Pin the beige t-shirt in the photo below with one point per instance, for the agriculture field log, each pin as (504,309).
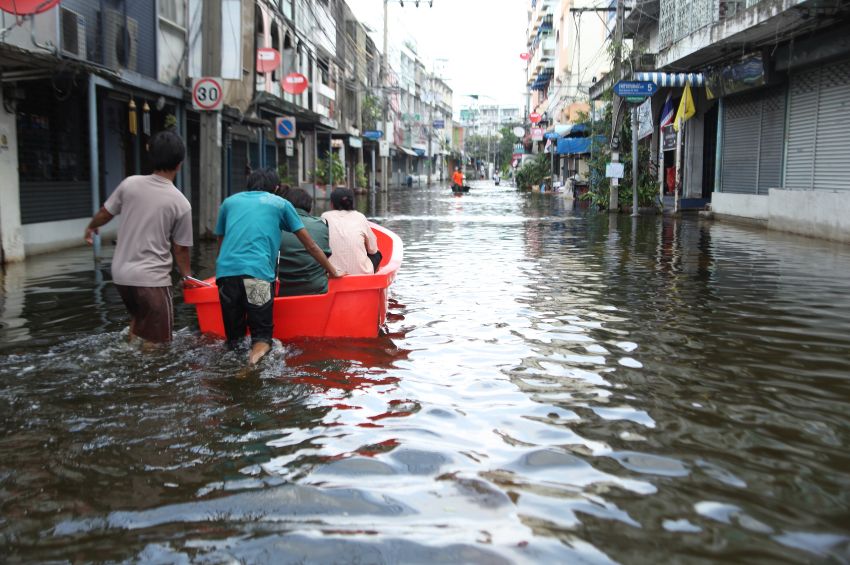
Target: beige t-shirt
(350,238)
(153,215)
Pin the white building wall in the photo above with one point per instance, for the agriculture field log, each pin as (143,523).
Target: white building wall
(11,235)
(814,213)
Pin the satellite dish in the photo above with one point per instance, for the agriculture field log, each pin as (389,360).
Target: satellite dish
(519,132)
(26,7)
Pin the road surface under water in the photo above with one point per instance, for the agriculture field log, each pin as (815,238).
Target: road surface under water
(555,386)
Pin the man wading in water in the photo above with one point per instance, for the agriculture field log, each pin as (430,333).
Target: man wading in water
(249,233)
(155,218)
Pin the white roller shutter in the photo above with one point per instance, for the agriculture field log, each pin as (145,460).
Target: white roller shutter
(753,128)
(819,129)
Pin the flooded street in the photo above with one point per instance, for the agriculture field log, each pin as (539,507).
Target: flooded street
(555,386)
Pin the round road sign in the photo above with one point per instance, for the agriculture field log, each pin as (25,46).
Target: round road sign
(535,117)
(519,132)
(26,7)
(294,83)
(207,94)
(268,59)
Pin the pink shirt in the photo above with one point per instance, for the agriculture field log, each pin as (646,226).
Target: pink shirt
(350,239)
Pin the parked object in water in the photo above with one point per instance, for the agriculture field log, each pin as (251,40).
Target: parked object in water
(354,306)
(458,188)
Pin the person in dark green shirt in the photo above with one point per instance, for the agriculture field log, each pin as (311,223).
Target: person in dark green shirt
(299,272)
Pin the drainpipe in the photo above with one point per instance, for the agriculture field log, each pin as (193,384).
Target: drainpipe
(94,166)
(718,149)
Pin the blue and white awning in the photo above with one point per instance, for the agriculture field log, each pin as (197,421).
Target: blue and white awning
(672,79)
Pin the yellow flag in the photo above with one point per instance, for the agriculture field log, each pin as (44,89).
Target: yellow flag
(686,108)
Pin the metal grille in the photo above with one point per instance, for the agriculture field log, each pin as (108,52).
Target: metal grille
(684,9)
(666,22)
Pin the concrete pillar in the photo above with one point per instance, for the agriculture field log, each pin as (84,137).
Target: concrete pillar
(210,143)
(11,235)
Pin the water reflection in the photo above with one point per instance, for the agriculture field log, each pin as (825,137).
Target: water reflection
(555,386)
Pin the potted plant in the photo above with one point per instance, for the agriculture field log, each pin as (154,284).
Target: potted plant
(360,178)
(330,167)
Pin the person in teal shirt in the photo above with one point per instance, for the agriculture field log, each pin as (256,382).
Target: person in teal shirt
(249,232)
(299,272)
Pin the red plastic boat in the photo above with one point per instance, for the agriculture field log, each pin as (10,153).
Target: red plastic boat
(354,306)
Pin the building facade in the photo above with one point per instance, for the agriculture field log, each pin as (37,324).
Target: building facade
(87,82)
(765,142)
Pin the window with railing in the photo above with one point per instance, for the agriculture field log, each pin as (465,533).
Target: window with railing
(681,18)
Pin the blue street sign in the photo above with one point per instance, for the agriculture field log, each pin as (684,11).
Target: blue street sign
(439,124)
(285,128)
(373,134)
(551,135)
(635,88)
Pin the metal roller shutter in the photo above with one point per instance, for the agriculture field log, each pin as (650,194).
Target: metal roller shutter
(740,153)
(772,140)
(238,165)
(819,120)
(753,128)
(802,119)
(832,161)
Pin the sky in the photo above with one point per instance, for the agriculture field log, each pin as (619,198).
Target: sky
(480,39)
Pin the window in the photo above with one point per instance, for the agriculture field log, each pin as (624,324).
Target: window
(173,11)
(287,7)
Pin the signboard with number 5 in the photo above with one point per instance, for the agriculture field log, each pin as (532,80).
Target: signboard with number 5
(207,94)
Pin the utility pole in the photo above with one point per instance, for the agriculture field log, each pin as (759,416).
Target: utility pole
(617,104)
(430,123)
(210,130)
(384,89)
(635,128)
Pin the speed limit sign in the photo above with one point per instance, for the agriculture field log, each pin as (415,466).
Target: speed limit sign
(207,93)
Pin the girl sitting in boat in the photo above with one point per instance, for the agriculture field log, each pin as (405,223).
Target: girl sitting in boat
(351,237)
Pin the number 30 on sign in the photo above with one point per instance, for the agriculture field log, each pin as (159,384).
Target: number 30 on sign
(207,93)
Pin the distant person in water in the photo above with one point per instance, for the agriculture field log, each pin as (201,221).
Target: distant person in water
(156,219)
(249,232)
(457,178)
(351,237)
(299,271)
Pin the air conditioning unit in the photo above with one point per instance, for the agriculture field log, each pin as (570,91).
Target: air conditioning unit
(730,8)
(121,41)
(73,30)
(643,61)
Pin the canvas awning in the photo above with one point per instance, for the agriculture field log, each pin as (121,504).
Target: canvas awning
(671,79)
(407,151)
(573,145)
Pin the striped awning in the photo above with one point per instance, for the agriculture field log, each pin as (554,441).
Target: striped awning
(672,79)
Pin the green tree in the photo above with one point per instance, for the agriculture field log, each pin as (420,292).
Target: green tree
(371,112)
(600,186)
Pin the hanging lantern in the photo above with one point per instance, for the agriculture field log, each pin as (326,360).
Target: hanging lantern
(146,119)
(133,122)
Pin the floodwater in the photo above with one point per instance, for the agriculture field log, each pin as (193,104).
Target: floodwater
(555,386)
